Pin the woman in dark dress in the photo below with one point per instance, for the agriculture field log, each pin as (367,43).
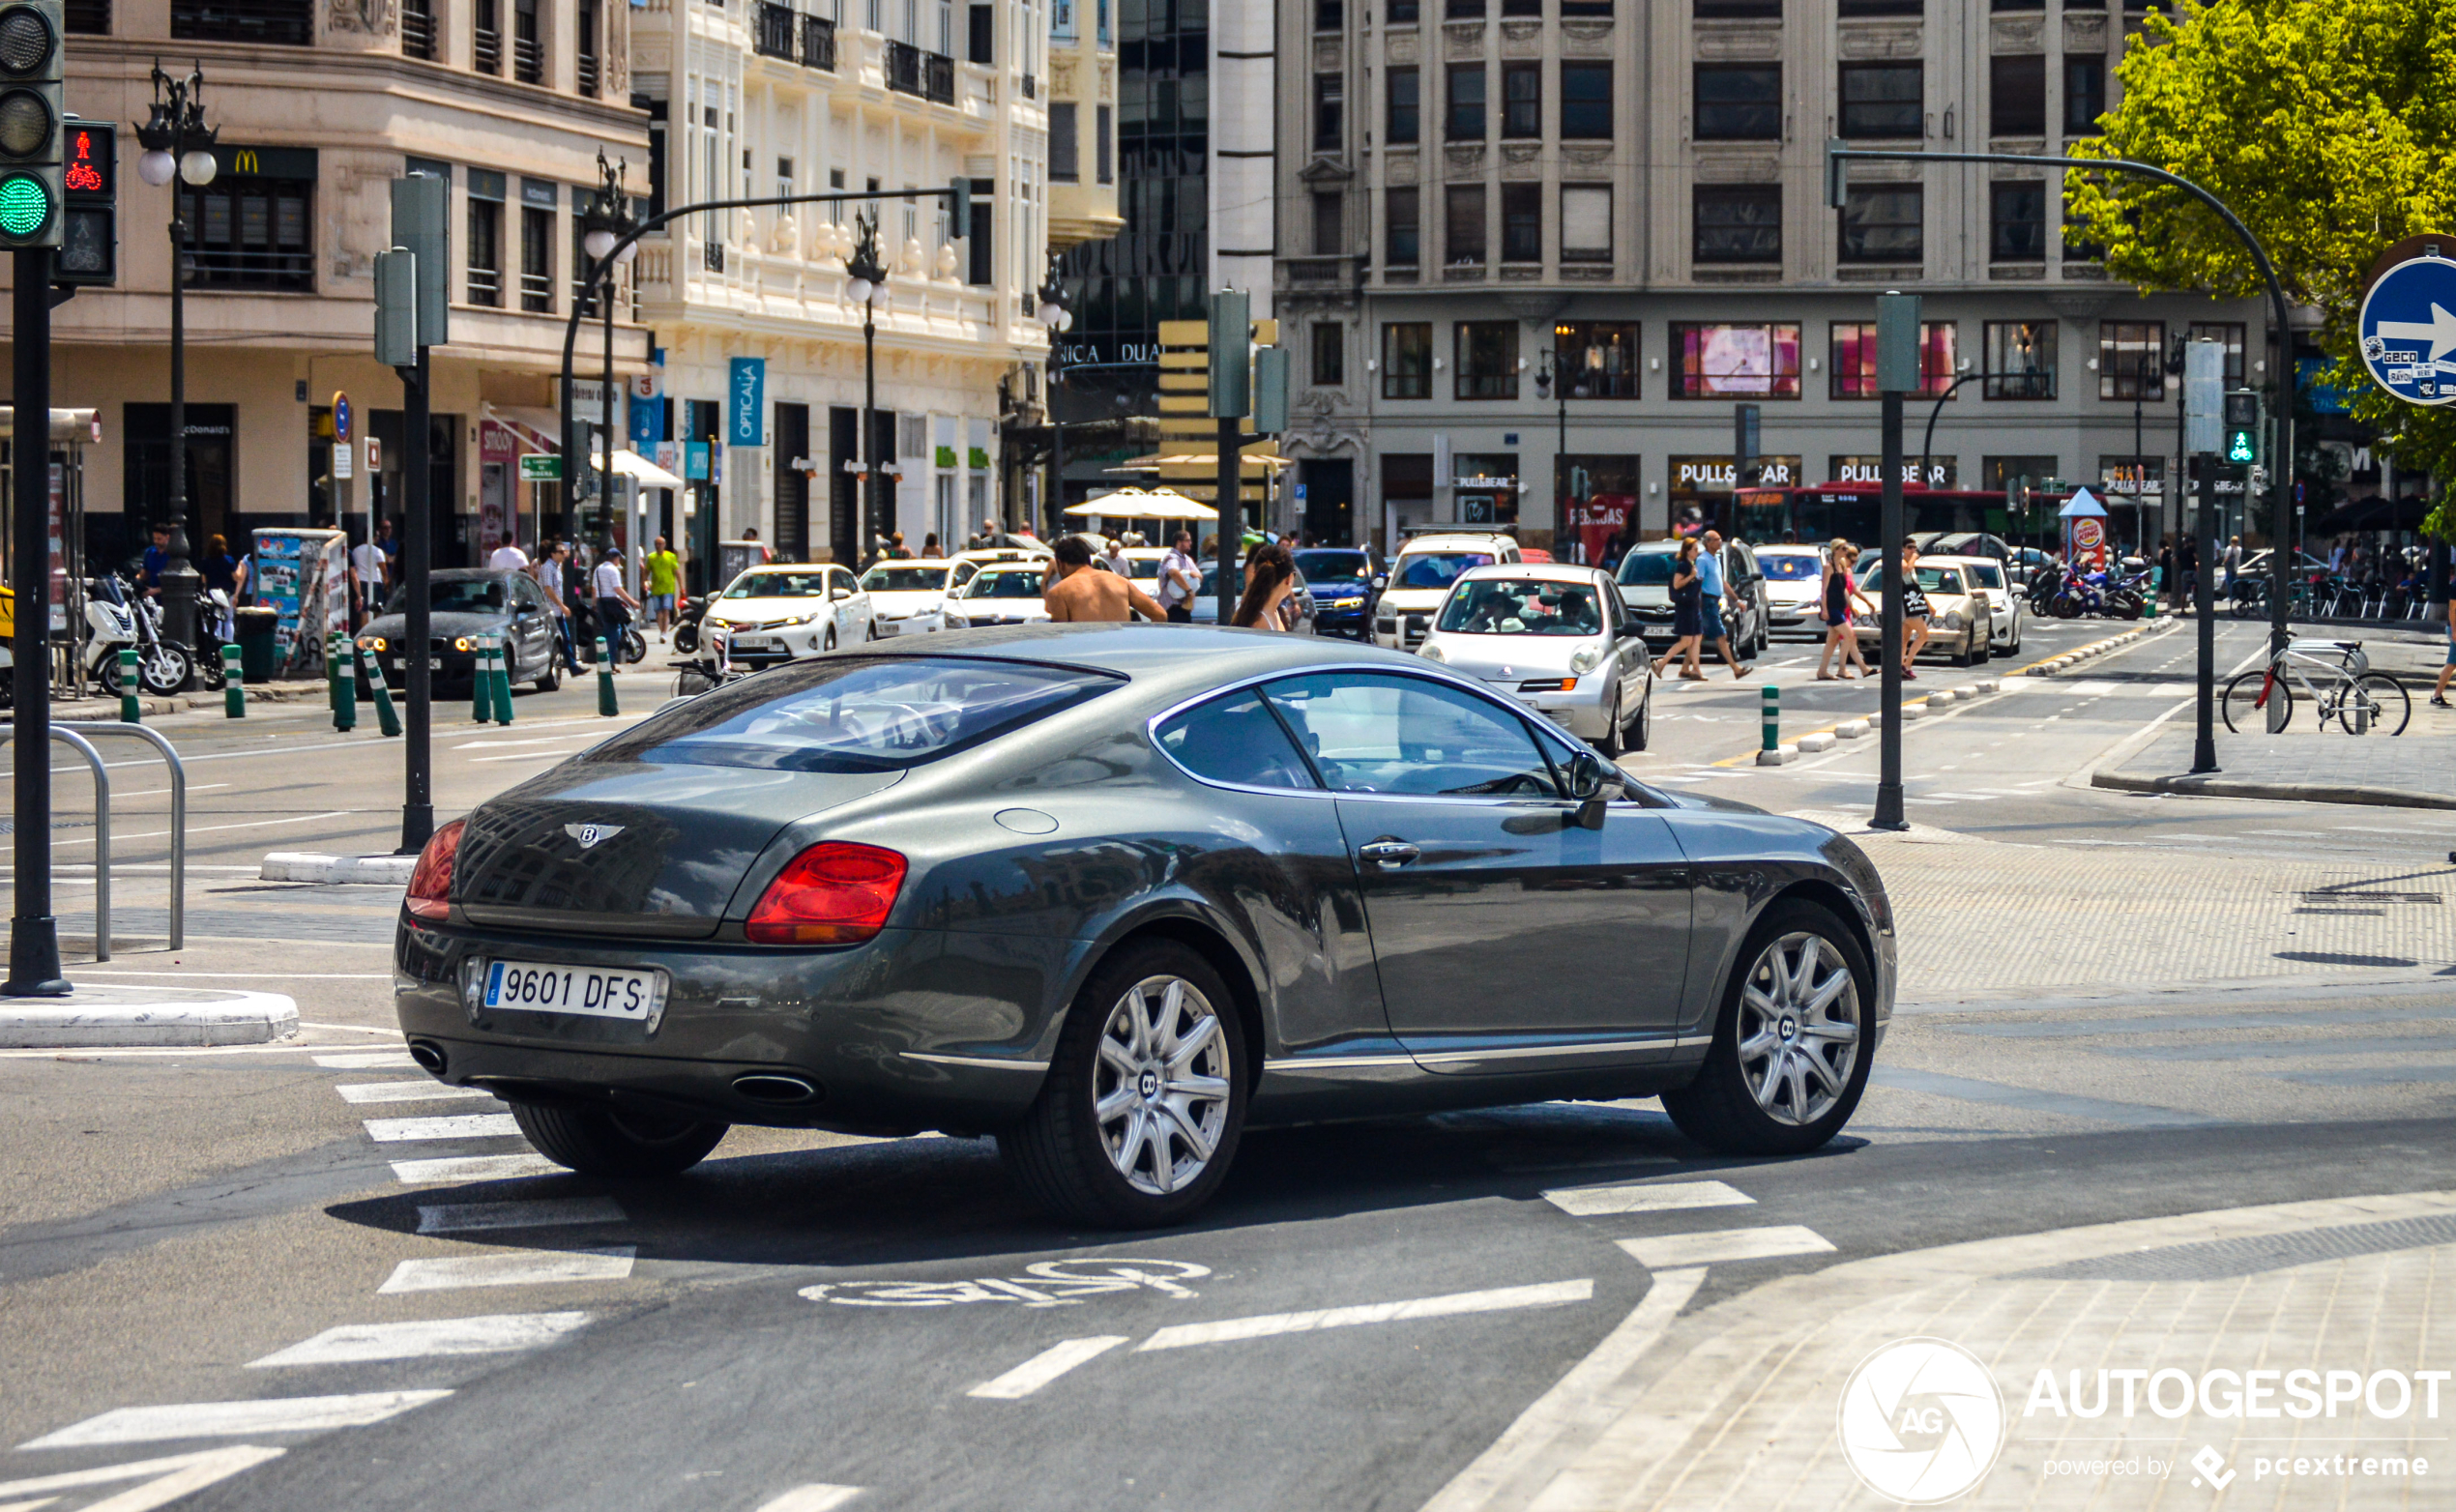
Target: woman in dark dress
(1688,615)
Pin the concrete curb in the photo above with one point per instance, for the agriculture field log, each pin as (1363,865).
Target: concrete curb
(2080,653)
(2221,786)
(97,1017)
(313,866)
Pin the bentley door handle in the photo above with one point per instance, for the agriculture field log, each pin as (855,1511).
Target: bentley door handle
(1388,854)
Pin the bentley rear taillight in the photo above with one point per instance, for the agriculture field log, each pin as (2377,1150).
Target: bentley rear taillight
(431,882)
(835,892)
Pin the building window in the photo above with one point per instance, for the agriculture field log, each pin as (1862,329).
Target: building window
(2004,473)
(1463,225)
(1330,214)
(1485,353)
(254,231)
(1330,112)
(984,220)
(2079,246)
(1880,100)
(1585,101)
(1402,230)
(2083,95)
(584,25)
(1738,223)
(528,43)
(1716,361)
(1466,122)
(1407,359)
(2017,95)
(486,37)
(418,29)
(1522,100)
(1406,108)
(1597,358)
(537,260)
(2020,359)
(1586,222)
(1329,16)
(2017,222)
(93,18)
(1066,150)
(2228,334)
(1738,103)
(285,23)
(2131,360)
(1463,10)
(1104,142)
(1738,10)
(1330,354)
(1522,223)
(1881,223)
(1404,12)
(1853,359)
(486,251)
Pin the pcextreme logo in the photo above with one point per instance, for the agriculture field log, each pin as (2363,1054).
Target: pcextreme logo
(1921,1421)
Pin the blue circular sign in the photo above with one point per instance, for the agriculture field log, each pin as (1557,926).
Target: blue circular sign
(340,417)
(2409,330)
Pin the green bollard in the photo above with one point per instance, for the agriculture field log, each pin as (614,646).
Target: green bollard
(234,684)
(481,694)
(131,711)
(502,667)
(1772,697)
(605,704)
(344,685)
(387,717)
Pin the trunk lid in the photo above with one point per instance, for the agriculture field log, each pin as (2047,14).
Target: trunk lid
(636,848)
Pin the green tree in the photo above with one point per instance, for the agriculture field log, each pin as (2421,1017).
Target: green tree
(2329,125)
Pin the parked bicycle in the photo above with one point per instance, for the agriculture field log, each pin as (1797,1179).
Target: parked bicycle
(2337,679)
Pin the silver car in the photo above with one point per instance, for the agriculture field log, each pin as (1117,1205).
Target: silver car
(1556,638)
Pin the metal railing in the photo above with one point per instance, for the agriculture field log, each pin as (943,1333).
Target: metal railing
(910,70)
(418,30)
(775,34)
(818,43)
(486,44)
(73,734)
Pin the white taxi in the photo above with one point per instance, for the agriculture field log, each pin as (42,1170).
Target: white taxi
(910,597)
(1001,593)
(782,611)
(1419,580)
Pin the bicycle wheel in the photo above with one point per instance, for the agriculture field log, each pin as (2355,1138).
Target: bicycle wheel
(2244,708)
(2373,703)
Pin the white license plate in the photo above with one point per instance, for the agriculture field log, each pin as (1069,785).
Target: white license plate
(753,643)
(528,987)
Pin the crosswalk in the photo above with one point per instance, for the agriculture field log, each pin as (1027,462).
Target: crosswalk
(1689,1247)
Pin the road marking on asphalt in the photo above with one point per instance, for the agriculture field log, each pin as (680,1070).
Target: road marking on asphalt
(526,756)
(1956,798)
(175,1476)
(542,740)
(406,1092)
(812,1499)
(1045,1367)
(473,1168)
(511,1267)
(2032,1099)
(369,1060)
(501,1333)
(1589,1163)
(541,1212)
(235,1419)
(1713,1246)
(467,1125)
(1588,1202)
(1551,1293)
(2288,834)
(1592,1392)
(253,824)
(2371,1076)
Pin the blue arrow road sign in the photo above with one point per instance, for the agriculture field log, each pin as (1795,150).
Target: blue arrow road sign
(2409,330)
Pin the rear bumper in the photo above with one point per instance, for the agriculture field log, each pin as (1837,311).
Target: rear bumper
(916,1029)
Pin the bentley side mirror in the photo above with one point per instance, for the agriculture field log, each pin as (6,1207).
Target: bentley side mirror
(1587,778)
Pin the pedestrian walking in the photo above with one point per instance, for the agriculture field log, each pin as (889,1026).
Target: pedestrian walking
(549,574)
(614,605)
(930,551)
(1714,593)
(664,584)
(1688,615)
(1840,593)
(1914,609)
(1178,578)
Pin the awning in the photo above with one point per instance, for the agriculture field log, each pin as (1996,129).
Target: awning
(631,464)
(1139,504)
(535,430)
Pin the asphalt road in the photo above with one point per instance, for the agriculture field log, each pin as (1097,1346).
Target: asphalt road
(808,1321)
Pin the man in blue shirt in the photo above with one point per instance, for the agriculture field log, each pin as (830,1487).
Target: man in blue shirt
(1715,590)
(156,558)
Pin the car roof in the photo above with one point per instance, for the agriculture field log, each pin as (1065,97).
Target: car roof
(1789,547)
(1540,572)
(1161,656)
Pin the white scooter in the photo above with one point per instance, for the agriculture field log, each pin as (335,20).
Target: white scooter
(111,622)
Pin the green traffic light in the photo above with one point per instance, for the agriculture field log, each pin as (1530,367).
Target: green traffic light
(2239,448)
(25,206)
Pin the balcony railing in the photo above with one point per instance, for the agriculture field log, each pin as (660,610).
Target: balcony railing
(774,37)
(418,30)
(585,68)
(818,43)
(485,287)
(486,44)
(912,71)
(528,60)
(537,293)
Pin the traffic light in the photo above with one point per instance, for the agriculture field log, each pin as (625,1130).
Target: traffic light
(1231,355)
(31,101)
(89,204)
(396,308)
(419,224)
(958,208)
(2242,426)
(1269,390)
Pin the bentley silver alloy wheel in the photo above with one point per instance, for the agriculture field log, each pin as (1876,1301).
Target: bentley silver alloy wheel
(1160,1090)
(1798,1029)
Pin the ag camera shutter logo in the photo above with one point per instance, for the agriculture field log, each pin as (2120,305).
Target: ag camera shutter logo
(1921,1421)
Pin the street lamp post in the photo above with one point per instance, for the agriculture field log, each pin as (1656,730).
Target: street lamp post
(1927,441)
(605,230)
(1553,379)
(869,282)
(1051,311)
(178,144)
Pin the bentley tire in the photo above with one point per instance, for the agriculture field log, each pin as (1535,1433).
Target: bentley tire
(602,1141)
(1792,1043)
(1138,1120)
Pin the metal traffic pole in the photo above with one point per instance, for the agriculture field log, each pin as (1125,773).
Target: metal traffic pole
(2203,408)
(34,934)
(1231,394)
(1896,374)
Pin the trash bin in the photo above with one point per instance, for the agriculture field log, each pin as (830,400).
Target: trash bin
(258,654)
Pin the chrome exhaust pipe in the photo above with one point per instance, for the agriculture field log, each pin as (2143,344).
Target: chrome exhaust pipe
(777,1089)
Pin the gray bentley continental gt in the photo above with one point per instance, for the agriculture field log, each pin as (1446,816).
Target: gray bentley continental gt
(1114,893)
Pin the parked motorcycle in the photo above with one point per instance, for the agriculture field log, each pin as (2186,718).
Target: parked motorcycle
(687,625)
(113,621)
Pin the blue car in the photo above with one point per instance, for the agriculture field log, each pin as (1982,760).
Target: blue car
(1343,582)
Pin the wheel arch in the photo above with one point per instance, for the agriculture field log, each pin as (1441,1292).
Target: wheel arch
(1830,896)
(1206,938)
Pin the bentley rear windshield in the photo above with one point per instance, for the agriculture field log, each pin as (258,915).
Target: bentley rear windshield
(840,713)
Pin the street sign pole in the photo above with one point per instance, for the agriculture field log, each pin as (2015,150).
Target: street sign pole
(2202,411)
(1896,374)
(34,934)
(1231,349)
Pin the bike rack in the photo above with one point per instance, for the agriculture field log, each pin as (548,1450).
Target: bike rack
(73,734)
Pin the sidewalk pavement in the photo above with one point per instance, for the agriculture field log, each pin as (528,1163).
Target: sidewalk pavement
(1739,1406)
(2415,770)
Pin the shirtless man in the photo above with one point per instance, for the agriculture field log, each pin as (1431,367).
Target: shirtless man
(1080,592)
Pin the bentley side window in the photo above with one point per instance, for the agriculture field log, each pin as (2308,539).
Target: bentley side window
(1235,739)
(1374,733)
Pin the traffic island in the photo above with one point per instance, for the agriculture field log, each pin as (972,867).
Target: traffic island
(94,1017)
(2411,770)
(315,866)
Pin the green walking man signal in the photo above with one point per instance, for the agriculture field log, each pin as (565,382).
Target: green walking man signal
(2243,426)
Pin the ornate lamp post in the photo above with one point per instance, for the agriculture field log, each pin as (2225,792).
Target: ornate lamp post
(867,283)
(178,144)
(604,227)
(1551,369)
(1052,312)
